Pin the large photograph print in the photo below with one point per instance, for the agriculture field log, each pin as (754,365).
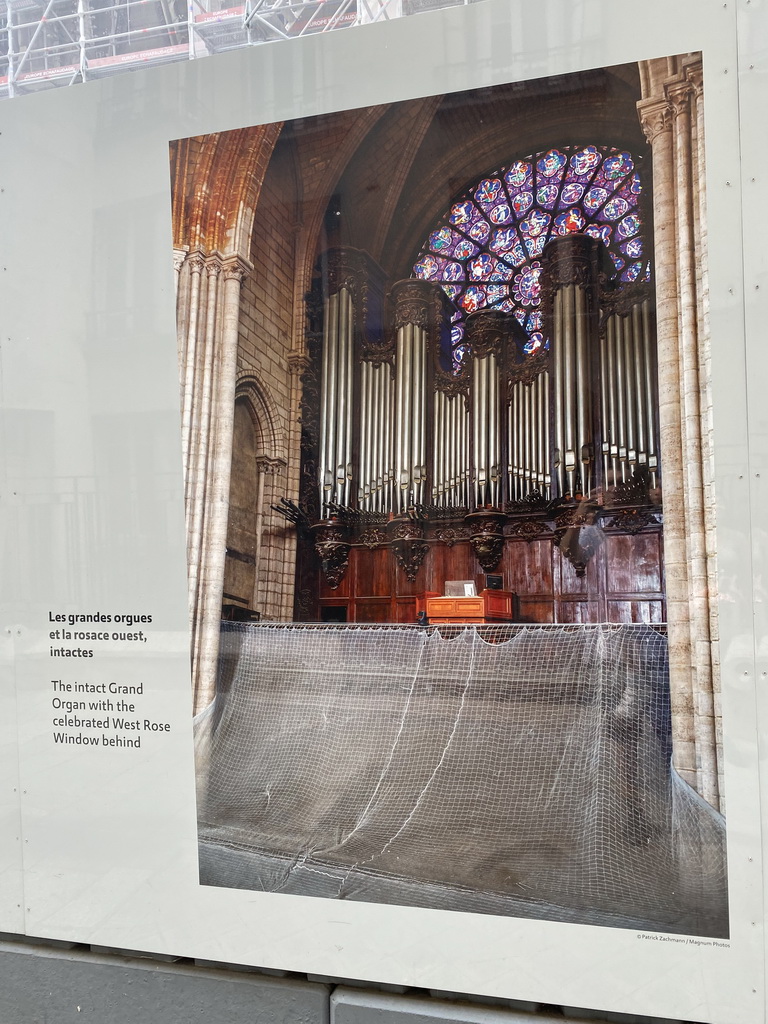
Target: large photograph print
(446,432)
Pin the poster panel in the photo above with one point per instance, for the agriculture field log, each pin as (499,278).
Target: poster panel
(102,647)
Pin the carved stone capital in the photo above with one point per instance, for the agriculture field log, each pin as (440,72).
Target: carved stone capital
(213,264)
(679,94)
(298,362)
(235,268)
(655,117)
(179,255)
(269,466)
(196,261)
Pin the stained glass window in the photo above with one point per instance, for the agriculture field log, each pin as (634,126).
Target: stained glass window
(485,250)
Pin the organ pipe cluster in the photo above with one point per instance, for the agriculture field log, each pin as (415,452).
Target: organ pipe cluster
(400,428)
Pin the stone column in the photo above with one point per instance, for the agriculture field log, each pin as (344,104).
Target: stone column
(656,116)
(670,115)
(265,468)
(210,586)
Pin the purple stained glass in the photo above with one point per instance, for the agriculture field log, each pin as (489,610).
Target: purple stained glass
(464,249)
(618,166)
(441,240)
(503,239)
(526,287)
(586,160)
(632,273)
(601,231)
(522,202)
(481,267)
(518,173)
(427,267)
(595,198)
(501,214)
(552,162)
(615,208)
(491,260)
(461,213)
(535,245)
(473,298)
(480,231)
(501,272)
(488,190)
(546,195)
(629,226)
(633,248)
(572,193)
(459,355)
(534,224)
(569,222)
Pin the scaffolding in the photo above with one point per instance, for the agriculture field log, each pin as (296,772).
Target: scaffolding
(48,43)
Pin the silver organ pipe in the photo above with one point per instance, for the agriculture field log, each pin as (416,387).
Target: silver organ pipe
(627,392)
(559,392)
(583,392)
(412,303)
(486,418)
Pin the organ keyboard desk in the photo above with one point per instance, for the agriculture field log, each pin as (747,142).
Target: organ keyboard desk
(488,606)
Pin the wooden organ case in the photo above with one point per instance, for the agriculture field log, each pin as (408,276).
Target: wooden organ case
(542,467)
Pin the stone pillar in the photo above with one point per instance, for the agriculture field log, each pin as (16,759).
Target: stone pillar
(670,116)
(266,469)
(210,587)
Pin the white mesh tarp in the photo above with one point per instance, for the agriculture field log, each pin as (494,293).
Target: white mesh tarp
(522,771)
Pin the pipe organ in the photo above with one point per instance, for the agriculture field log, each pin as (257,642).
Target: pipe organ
(404,446)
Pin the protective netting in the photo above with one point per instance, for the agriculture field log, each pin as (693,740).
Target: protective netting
(508,770)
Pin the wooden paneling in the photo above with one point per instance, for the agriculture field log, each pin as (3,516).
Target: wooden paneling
(623,580)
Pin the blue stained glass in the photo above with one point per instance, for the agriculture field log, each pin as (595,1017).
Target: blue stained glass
(491,262)
(535,223)
(601,231)
(518,173)
(633,248)
(461,213)
(441,240)
(473,298)
(501,214)
(427,267)
(535,245)
(464,249)
(585,161)
(572,193)
(534,344)
(501,272)
(551,163)
(618,166)
(595,198)
(525,286)
(488,190)
(616,208)
(629,226)
(523,200)
(480,231)
(546,195)
(457,333)
(569,222)
(632,273)
(481,267)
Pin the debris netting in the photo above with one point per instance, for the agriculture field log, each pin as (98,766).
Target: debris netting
(521,771)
